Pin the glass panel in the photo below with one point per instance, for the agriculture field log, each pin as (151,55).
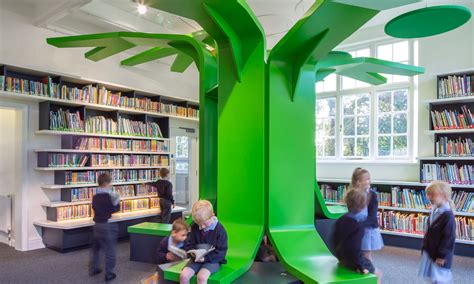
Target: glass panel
(400,100)
(330,127)
(384,145)
(330,83)
(319,147)
(400,123)
(349,126)
(363,104)
(363,52)
(362,147)
(400,145)
(348,147)
(319,87)
(348,83)
(319,126)
(182,147)
(363,125)
(384,52)
(400,51)
(385,102)
(330,149)
(385,124)
(348,103)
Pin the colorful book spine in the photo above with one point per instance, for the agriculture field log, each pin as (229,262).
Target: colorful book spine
(451,173)
(150,145)
(73,212)
(146,189)
(17,85)
(124,190)
(455,86)
(158,160)
(101,125)
(67,160)
(65,121)
(154,202)
(134,205)
(448,119)
(82,193)
(72,178)
(447,147)
(332,194)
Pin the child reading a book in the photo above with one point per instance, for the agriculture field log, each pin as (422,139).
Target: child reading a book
(208,233)
(179,233)
(165,193)
(372,239)
(440,236)
(348,234)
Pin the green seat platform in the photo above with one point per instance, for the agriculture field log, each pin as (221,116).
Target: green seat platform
(149,228)
(241,241)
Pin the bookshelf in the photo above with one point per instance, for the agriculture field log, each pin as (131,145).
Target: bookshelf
(102,128)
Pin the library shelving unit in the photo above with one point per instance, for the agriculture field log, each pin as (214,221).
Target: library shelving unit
(102,129)
(403,205)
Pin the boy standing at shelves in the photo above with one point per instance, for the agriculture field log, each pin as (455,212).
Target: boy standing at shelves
(104,203)
(165,193)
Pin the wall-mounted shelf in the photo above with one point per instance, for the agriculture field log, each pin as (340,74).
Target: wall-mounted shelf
(97,168)
(101,151)
(60,186)
(59,133)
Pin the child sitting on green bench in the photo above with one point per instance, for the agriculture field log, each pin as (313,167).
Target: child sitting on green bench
(205,231)
(179,233)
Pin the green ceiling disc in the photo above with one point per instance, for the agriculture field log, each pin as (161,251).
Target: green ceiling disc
(428,21)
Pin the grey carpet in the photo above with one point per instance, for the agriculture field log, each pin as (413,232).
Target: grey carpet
(46,266)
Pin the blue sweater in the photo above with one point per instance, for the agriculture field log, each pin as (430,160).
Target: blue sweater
(216,238)
(347,236)
(372,210)
(440,238)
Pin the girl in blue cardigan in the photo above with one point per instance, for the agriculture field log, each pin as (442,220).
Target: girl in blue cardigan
(440,236)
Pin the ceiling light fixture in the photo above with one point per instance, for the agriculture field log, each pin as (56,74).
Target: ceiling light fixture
(141,9)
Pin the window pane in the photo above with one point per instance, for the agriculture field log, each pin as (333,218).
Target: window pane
(329,84)
(385,52)
(330,149)
(329,127)
(385,102)
(348,83)
(400,123)
(319,126)
(363,147)
(400,100)
(363,52)
(363,125)
(400,51)
(348,147)
(385,124)
(319,147)
(326,107)
(400,146)
(349,126)
(384,145)
(348,103)
(363,104)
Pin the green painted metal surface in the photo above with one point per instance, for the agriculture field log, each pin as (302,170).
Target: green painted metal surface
(428,21)
(149,228)
(257,120)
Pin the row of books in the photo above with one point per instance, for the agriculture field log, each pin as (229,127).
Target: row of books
(134,204)
(124,126)
(23,86)
(91,94)
(87,177)
(101,160)
(464,201)
(451,173)
(447,147)
(332,194)
(65,121)
(409,198)
(456,86)
(73,212)
(448,119)
(92,143)
(86,193)
(417,224)
(79,211)
(67,160)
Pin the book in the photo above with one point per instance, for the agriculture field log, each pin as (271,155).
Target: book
(450,173)
(456,86)
(67,160)
(452,119)
(65,121)
(460,147)
(195,255)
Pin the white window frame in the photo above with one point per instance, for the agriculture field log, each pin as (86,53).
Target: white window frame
(410,85)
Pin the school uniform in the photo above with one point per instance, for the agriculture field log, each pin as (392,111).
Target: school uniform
(347,236)
(438,242)
(104,204)
(165,193)
(163,249)
(214,235)
(372,239)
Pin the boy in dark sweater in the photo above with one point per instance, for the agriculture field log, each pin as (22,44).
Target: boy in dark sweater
(348,234)
(165,193)
(205,231)
(104,204)
(179,233)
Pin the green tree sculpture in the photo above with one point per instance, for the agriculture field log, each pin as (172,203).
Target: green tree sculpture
(257,120)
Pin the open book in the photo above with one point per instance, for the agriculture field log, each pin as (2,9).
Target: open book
(195,254)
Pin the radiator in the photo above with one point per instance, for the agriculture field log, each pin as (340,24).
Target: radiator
(5,214)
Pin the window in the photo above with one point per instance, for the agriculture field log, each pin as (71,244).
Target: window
(355,120)
(392,123)
(326,127)
(356,125)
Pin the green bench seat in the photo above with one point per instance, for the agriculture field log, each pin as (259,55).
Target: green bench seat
(242,240)
(149,228)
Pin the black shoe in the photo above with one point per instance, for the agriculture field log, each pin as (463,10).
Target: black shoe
(95,272)
(110,277)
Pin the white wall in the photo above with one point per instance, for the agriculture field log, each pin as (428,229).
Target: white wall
(439,54)
(22,44)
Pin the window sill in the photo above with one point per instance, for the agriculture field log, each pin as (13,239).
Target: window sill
(367,162)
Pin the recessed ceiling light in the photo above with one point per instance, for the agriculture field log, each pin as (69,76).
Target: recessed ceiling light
(141,9)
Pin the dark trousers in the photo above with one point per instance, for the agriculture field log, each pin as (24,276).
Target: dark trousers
(105,240)
(165,207)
